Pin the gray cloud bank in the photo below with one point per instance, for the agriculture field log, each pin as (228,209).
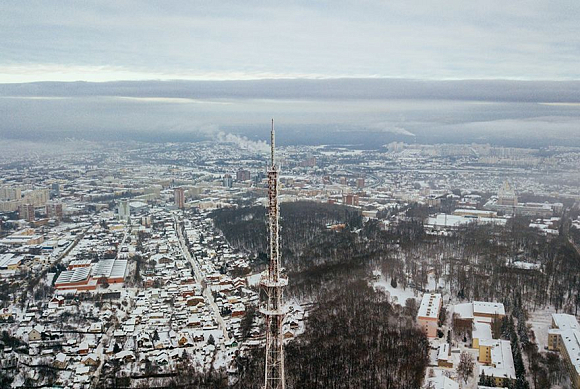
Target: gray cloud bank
(329,89)
(371,112)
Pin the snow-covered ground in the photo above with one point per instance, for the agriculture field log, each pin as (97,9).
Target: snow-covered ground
(397,295)
(541,320)
(433,285)
(254,279)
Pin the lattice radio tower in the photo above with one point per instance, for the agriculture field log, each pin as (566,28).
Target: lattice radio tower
(272,283)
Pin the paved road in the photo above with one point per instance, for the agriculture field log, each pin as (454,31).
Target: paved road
(200,279)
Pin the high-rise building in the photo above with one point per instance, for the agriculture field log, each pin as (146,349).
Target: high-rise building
(243,175)
(55,189)
(195,191)
(258,178)
(228,181)
(36,197)
(507,195)
(10,193)
(54,210)
(124,210)
(26,212)
(360,183)
(10,205)
(309,162)
(179,197)
(350,199)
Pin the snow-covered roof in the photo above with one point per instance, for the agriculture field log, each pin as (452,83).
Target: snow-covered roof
(487,308)
(430,305)
(464,311)
(8,260)
(80,262)
(478,308)
(61,357)
(564,321)
(445,220)
(502,362)
(443,353)
(571,341)
(76,275)
(123,354)
(82,369)
(481,331)
(110,268)
(443,382)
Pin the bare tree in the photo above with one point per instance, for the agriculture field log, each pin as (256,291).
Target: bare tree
(465,366)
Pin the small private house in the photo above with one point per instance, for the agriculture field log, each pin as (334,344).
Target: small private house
(83,348)
(90,360)
(61,360)
(8,359)
(35,334)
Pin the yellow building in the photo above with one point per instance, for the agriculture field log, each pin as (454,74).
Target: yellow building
(496,355)
(485,347)
(481,332)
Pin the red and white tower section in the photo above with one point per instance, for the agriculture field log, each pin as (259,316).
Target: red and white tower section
(273,283)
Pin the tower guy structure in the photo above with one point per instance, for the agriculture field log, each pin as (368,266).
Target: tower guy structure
(273,283)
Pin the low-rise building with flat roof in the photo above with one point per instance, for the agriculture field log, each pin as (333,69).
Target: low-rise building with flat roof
(428,314)
(564,336)
(496,355)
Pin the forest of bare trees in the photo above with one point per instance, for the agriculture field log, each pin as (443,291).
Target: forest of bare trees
(354,338)
(475,262)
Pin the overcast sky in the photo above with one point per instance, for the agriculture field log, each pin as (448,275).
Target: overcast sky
(146,39)
(490,71)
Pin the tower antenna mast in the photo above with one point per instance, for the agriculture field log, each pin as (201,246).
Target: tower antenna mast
(273,283)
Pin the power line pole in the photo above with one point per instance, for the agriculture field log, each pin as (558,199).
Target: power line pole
(272,283)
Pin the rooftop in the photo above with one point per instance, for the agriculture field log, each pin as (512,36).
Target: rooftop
(480,307)
(563,321)
(502,362)
(430,305)
(571,341)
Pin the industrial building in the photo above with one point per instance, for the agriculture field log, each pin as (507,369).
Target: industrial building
(9,261)
(22,237)
(83,277)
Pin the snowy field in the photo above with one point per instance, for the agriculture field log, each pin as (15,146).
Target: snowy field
(541,320)
(397,295)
